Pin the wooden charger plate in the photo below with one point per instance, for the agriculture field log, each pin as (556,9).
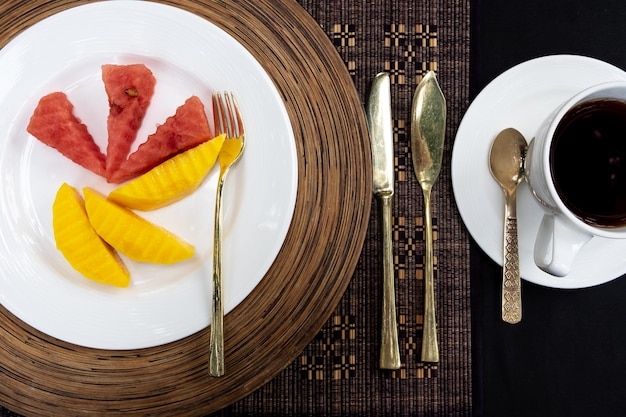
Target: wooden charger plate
(43,376)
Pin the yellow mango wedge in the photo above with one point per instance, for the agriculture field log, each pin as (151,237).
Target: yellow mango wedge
(170,181)
(133,235)
(79,243)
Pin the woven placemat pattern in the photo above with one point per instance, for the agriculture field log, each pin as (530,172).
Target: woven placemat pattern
(337,373)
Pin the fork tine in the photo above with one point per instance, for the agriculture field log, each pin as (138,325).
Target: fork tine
(228,115)
(218,114)
(236,116)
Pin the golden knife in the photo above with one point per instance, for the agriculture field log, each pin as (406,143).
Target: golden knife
(428,130)
(381,140)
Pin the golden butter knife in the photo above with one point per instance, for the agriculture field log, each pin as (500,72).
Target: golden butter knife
(381,140)
(428,131)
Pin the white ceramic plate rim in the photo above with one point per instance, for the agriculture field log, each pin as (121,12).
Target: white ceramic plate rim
(188,55)
(521,97)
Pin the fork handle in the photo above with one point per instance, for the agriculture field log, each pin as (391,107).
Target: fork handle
(216,355)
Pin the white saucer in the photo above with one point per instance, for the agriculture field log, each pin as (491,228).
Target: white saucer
(521,98)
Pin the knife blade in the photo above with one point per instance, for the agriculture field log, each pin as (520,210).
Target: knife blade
(381,140)
(428,128)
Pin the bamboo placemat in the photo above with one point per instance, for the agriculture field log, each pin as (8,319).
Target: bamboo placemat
(336,373)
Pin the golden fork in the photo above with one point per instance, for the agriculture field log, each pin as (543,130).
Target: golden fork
(227,120)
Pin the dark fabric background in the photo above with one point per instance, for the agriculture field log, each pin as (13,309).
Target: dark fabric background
(567,357)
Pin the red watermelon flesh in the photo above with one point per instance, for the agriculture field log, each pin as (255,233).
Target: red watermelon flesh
(130,89)
(184,130)
(54,123)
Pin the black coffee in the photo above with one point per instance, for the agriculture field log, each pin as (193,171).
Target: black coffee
(588,162)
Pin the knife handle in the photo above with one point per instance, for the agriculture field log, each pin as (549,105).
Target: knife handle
(389,350)
(430,349)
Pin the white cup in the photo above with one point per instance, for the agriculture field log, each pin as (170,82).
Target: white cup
(562,233)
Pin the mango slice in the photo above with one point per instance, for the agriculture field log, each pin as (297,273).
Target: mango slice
(79,243)
(170,181)
(133,235)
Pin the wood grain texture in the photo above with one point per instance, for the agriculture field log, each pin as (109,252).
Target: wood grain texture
(42,376)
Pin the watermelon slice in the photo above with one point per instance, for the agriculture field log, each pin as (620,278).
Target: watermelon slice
(54,123)
(129,89)
(189,127)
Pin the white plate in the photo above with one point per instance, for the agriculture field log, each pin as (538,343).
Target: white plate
(188,55)
(521,97)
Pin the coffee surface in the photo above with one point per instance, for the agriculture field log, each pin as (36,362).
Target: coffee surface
(588,162)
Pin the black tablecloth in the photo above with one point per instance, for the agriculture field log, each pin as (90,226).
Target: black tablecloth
(567,356)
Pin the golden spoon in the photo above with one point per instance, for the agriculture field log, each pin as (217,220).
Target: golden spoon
(506,163)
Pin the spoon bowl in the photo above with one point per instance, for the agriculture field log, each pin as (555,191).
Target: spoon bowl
(506,159)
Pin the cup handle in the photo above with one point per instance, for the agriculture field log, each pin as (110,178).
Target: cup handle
(557,259)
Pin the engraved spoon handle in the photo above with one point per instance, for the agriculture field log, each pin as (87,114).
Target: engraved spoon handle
(511,285)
